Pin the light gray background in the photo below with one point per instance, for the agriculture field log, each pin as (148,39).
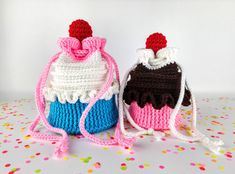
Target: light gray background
(204,30)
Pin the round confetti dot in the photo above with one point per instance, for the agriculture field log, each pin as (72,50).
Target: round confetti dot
(228,155)
(27,161)
(89,170)
(141,166)
(123,168)
(7,165)
(221,168)
(26,146)
(162,167)
(97,165)
(4,151)
(220,133)
(123,164)
(37,154)
(192,164)
(46,158)
(146,165)
(65,158)
(37,171)
(202,168)
(214,160)
(193,148)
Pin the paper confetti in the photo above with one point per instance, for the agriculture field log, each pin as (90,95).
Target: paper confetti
(20,153)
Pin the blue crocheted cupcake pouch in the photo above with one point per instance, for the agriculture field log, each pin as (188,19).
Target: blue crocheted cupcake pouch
(102,116)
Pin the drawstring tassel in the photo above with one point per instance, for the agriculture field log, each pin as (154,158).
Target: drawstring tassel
(61,149)
(214,146)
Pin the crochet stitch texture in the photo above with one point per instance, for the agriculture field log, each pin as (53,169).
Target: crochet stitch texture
(159,87)
(82,91)
(102,116)
(75,83)
(147,117)
(152,93)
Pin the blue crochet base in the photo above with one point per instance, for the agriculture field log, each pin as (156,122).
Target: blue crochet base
(102,116)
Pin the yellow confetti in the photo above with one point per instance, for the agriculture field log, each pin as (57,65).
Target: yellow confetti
(105,148)
(89,170)
(221,168)
(188,112)
(65,158)
(22,129)
(27,137)
(214,160)
(32,156)
(214,156)
(146,165)
(119,152)
(74,155)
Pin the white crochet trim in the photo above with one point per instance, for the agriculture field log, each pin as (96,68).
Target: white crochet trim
(72,96)
(73,80)
(163,57)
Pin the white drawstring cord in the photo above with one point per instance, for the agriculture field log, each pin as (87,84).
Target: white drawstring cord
(122,107)
(157,134)
(214,146)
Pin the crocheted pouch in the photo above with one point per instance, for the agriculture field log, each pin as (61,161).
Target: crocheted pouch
(153,91)
(82,90)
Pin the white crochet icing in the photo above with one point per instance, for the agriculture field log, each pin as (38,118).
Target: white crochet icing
(163,57)
(78,80)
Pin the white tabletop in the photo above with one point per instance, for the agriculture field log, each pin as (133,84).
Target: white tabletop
(20,154)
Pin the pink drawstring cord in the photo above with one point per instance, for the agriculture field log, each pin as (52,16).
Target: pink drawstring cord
(126,142)
(118,136)
(63,145)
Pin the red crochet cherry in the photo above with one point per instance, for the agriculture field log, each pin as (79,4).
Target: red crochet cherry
(156,41)
(80,29)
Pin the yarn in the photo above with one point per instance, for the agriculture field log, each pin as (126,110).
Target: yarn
(102,116)
(80,29)
(82,67)
(148,117)
(81,80)
(156,41)
(159,87)
(155,72)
